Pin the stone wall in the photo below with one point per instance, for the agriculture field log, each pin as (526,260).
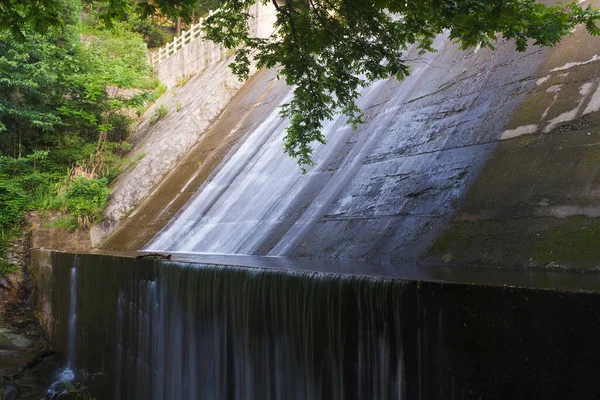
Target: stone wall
(131,230)
(42,235)
(194,104)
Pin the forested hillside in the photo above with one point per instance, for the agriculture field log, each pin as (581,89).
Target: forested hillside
(69,100)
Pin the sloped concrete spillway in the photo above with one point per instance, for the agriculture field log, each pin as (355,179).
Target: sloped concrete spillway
(381,192)
(387,190)
(170,330)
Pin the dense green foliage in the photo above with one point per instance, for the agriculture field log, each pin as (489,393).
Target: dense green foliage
(329,49)
(183,9)
(24,184)
(65,101)
(38,15)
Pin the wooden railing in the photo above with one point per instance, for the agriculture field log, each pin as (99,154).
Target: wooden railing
(178,43)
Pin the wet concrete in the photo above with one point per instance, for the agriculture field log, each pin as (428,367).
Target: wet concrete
(483,158)
(382,192)
(535,203)
(557,279)
(248,108)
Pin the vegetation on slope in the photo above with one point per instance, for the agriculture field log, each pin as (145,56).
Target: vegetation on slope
(65,116)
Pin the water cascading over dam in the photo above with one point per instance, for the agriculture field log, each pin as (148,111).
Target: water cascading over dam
(250,195)
(171,330)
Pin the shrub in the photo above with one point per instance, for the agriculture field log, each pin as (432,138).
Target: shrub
(6,267)
(85,199)
(158,114)
(159,90)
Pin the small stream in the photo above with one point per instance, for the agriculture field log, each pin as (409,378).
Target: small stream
(66,377)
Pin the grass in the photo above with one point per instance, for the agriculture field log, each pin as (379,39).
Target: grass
(63,222)
(7,268)
(183,80)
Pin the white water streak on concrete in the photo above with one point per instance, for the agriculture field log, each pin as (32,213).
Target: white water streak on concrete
(576,63)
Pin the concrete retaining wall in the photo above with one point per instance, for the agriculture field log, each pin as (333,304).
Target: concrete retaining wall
(150,329)
(201,54)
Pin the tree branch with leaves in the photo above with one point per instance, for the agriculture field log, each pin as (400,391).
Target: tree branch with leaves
(329,49)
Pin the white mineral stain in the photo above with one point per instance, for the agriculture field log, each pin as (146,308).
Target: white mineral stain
(564,117)
(585,88)
(570,115)
(521,130)
(542,80)
(545,114)
(594,104)
(576,63)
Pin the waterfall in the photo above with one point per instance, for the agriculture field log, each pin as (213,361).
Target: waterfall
(226,333)
(72,344)
(159,330)
(67,375)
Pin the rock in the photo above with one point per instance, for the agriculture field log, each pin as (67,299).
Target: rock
(5,283)
(10,374)
(10,393)
(9,340)
(20,341)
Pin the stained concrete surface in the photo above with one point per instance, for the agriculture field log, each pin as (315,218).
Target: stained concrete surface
(246,111)
(536,201)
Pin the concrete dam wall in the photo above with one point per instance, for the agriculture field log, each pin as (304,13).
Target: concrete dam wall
(480,157)
(353,281)
(148,329)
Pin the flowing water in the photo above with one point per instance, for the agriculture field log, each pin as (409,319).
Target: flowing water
(258,193)
(67,375)
(215,333)
(248,197)
(167,330)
